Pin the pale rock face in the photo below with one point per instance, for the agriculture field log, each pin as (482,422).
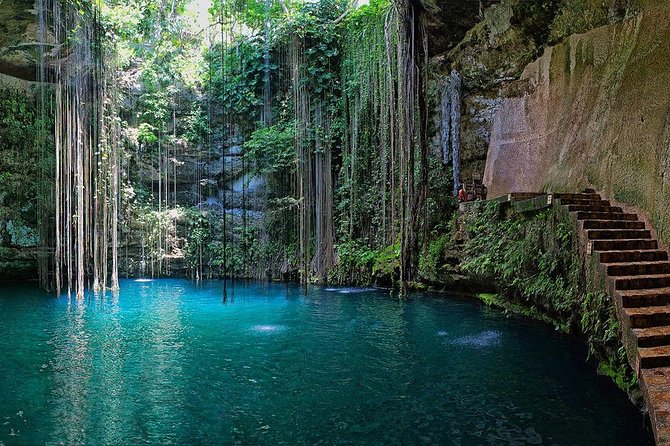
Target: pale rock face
(596,112)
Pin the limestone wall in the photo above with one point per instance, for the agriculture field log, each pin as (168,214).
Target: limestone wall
(593,110)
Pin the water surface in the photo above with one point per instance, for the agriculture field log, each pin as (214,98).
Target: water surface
(168,362)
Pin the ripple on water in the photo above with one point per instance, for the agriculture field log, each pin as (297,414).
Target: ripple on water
(486,338)
(144,280)
(267,328)
(168,362)
(349,290)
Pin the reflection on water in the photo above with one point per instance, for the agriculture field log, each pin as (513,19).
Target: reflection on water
(167,362)
(71,367)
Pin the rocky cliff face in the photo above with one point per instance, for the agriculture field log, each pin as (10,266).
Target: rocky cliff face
(593,110)
(19,48)
(491,56)
(495,51)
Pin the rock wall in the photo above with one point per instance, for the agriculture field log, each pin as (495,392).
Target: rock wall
(592,111)
(19,37)
(490,57)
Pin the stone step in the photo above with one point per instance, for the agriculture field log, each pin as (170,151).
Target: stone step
(656,385)
(653,357)
(652,336)
(589,191)
(624,245)
(588,208)
(568,196)
(638,268)
(642,282)
(585,202)
(618,234)
(653,297)
(588,215)
(613,224)
(645,317)
(520,196)
(632,256)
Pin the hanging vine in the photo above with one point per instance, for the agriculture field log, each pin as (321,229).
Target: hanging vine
(332,130)
(86,185)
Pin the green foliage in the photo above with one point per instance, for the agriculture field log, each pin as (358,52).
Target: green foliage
(158,50)
(490,299)
(524,257)
(359,263)
(197,128)
(235,78)
(205,248)
(599,322)
(433,262)
(321,61)
(536,264)
(433,258)
(206,88)
(271,149)
(364,196)
(146,134)
(362,19)
(386,264)
(578,16)
(23,159)
(154,225)
(156,106)
(533,16)
(355,261)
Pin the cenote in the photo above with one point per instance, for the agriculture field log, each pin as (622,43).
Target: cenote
(169,362)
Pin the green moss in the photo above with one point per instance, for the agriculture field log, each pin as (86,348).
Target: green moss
(660,223)
(566,61)
(24,196)
(502,302)
(588,53)
(386,261)
(557,68)
(523,255)
(536,263)
(628,196)
(433,258)
(360,264)
(577,16)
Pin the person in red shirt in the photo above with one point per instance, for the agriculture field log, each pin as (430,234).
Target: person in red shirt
(461,194)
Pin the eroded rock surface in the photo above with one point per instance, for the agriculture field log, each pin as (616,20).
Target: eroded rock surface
(596,112)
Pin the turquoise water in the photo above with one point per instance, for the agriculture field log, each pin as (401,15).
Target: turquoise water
(167,362)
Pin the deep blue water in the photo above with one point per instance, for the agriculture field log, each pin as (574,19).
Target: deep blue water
(168,362)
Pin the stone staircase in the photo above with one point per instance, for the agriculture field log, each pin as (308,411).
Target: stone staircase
(637,277)
(628,263)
